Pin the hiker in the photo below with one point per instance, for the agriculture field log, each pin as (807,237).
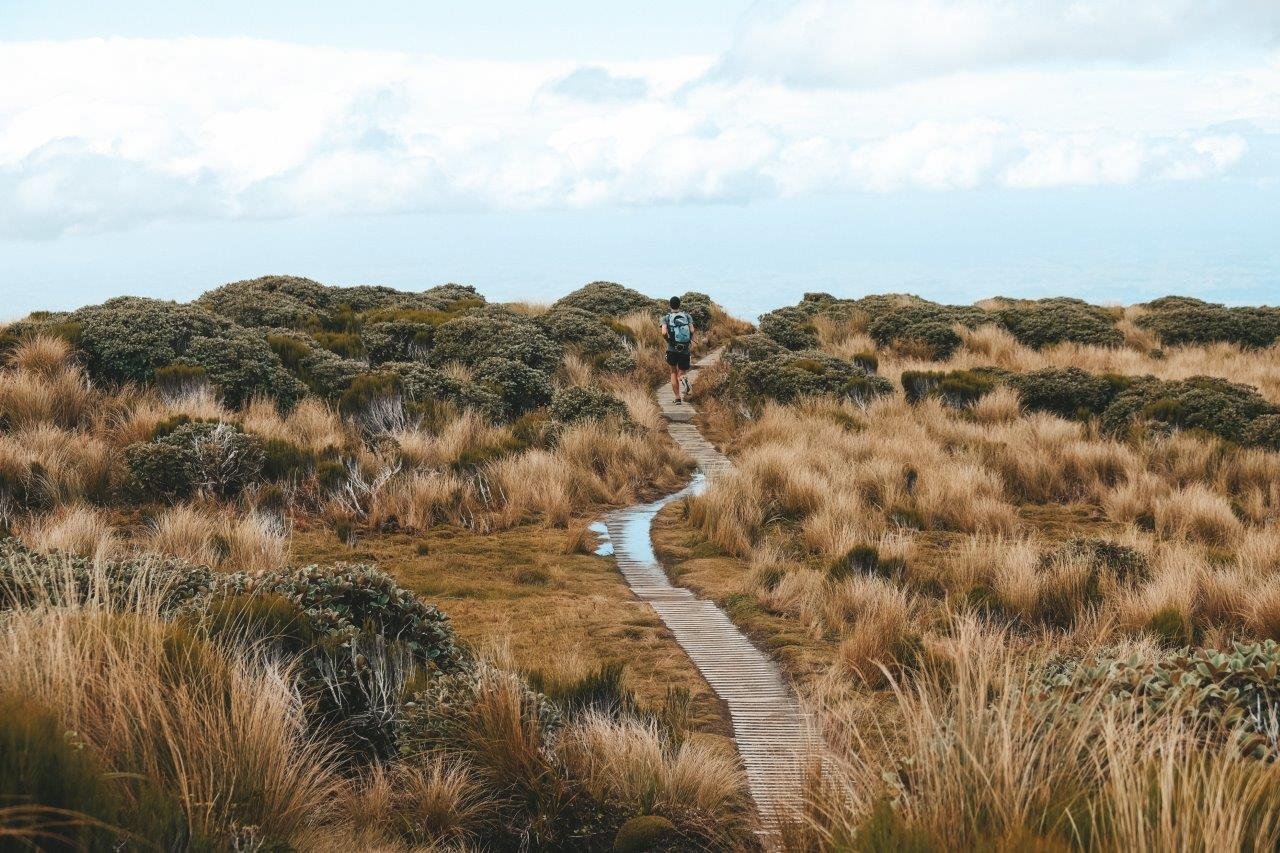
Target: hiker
(678,328)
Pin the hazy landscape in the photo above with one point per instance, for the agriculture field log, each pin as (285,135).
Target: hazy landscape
(294,566)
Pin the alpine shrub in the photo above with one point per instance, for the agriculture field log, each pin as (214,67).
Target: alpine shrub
(472,338)
(226,459)
(790,327)
(161,472)
(608,299)
(1069,392)
(1264,432)
(790,376)
(958,388)
(1045,322)
(576,403)
(521,388)
(1206,403)
(1231,696)
(357,636)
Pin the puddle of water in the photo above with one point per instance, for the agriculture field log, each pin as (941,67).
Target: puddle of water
(605,548)
(635,541)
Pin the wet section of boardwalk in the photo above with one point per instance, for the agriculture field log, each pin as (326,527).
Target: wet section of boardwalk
(769,727)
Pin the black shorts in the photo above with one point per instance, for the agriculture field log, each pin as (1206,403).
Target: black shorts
(679,359)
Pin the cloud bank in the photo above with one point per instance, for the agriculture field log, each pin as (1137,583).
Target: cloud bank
(111,133)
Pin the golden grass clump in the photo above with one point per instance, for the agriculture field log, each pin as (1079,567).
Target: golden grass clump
(74,529)
(969,757)
(221,737)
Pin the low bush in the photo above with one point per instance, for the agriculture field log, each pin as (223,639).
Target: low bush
(752,347)
(586,331)
(489,333)
(1207,403)
(1264,432)
(225,458)
(358,635)
(958,388)
(520,387)
(160,472)
(1044,322)
(1231,695)
(608,299)
(791,376)
(924,326)
(790,327)
(29,579)
(1069,392)
(1184,322)
(577,403)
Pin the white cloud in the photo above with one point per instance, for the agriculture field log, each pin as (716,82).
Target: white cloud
(870,42)
(100,134)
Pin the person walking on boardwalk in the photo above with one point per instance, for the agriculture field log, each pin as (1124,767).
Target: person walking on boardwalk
(678,329)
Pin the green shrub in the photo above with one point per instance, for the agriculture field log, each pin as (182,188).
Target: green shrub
(1232,696)
(1045,322)
(645,834)
(128,338)
(521,388)
(959,388)
(1127,565)
(587,331)
(1179,323)
(283,460)
(790,376)
(28,579)
(790,327)
(476,336)
(1206,403)
(160,472)
(608,299)
(863,560)
(752,347)
(923,324)
(576,403)
(361,637)
(1264,432)
(226,459)
(42,766)
(400,340)
(1069,392)
(424,386)
(241,365)
(271,301)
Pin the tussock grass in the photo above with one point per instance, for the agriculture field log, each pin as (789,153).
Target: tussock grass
(973,759)
(74,529)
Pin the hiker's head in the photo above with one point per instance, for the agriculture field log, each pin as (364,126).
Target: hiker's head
(675,302)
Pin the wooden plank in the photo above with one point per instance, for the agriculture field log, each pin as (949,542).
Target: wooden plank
(775,738)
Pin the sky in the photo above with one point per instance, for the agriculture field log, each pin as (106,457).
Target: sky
(954,148)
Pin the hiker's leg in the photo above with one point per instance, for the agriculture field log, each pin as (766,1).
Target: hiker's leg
(675,380)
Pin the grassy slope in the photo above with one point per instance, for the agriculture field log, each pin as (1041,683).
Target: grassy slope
(520,589)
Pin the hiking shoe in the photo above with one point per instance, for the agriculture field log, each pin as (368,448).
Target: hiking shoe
(679,401)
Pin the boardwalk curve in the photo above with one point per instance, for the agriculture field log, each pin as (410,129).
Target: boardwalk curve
(769,727)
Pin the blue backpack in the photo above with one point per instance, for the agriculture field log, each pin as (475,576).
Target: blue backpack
(679,327)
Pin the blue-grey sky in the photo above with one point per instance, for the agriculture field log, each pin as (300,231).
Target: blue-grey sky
(956,148)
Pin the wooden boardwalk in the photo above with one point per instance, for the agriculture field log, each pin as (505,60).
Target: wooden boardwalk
(769,727)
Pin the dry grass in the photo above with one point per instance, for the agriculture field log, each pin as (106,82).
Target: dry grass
(223,736)
(972,760)
(61,397)
(628,761)
(312,424)
(74,529)
(434,802)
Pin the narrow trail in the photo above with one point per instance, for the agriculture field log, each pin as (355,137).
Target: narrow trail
(769,726)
